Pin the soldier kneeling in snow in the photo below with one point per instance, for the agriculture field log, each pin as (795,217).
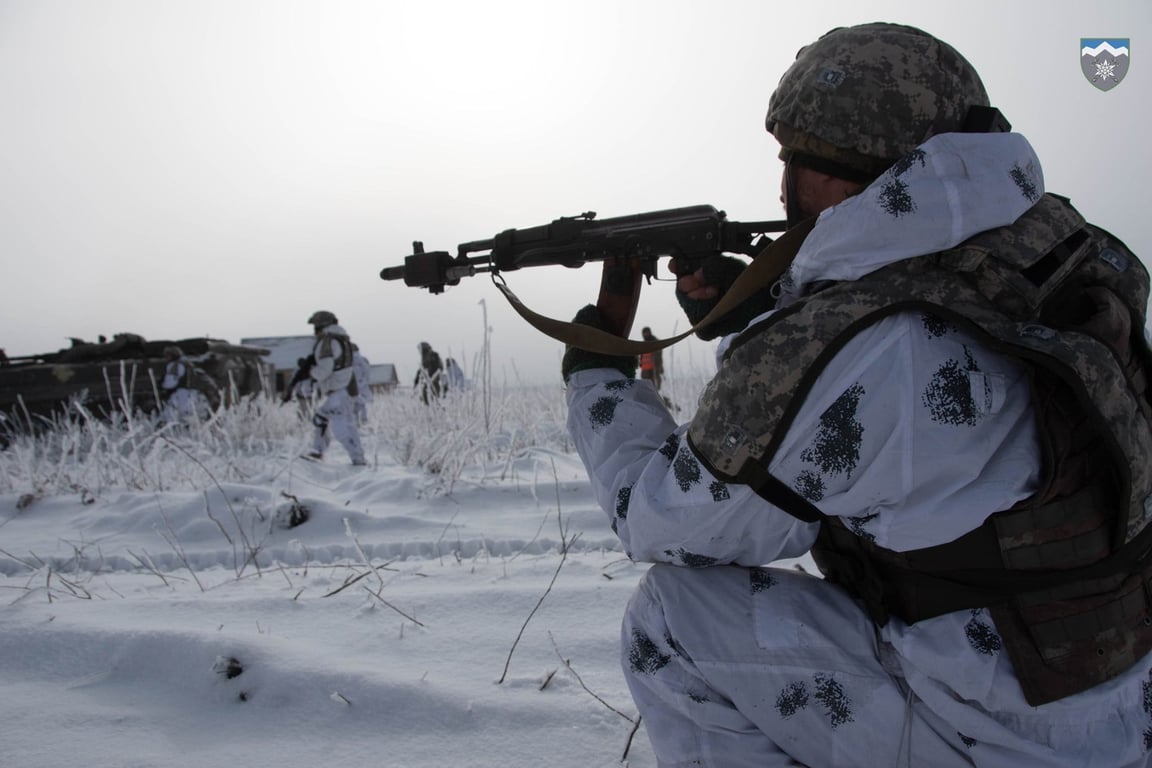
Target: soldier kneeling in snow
(945,401)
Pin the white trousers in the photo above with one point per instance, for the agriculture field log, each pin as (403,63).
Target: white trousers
(182,407)
(334,418)
(739,667)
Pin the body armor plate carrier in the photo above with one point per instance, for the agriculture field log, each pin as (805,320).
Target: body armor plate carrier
(341,351)
(1066,573)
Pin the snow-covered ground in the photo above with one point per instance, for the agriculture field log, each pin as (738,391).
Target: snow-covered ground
(456,603)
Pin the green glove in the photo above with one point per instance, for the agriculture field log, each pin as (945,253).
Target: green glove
(583,360)
(722,271)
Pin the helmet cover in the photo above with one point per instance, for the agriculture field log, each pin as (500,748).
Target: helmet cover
(865,96)
(322,318)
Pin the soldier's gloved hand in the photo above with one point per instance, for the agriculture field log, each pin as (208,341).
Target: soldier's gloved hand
(700,291)
(582,360)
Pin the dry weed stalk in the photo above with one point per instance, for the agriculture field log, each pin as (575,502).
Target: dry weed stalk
(26,563)
(352,578)
(568,665)
(371,571)
(145,561)
(174,542)
(634,721)
(565,546)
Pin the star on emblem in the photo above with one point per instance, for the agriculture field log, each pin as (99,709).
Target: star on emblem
(1106,69)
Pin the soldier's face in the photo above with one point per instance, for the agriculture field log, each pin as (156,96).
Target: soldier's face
(815,191)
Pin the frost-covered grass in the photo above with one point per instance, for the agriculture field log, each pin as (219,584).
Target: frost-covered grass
(82,453)
(480,427)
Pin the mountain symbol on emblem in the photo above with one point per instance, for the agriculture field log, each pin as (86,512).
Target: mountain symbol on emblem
(1104,61)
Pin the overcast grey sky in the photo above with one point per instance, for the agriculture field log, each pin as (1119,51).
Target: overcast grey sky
(175,168)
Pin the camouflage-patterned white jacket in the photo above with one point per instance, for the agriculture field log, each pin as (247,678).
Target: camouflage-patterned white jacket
(913,434)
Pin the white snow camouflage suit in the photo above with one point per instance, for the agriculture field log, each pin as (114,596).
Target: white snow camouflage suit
(738,664)
(333,373)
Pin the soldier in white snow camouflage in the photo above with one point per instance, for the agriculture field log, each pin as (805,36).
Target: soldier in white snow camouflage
(333,372)
(946,404)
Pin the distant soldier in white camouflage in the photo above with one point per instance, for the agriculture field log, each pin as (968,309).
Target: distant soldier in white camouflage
(332,373)
(454,378)
(429,382)
(945,401)
(181,400)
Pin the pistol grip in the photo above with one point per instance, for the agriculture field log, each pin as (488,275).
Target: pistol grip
(619,295)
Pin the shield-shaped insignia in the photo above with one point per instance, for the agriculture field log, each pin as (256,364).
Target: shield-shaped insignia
(1104,61)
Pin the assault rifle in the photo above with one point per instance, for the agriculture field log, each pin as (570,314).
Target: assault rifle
(688,234)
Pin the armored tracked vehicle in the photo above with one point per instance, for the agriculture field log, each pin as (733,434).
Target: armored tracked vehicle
(125,374)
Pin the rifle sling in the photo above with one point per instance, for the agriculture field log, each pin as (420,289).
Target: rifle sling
(765,268)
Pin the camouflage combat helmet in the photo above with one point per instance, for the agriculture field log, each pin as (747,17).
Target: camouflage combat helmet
(322,319)
(173,352)
(862,97)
